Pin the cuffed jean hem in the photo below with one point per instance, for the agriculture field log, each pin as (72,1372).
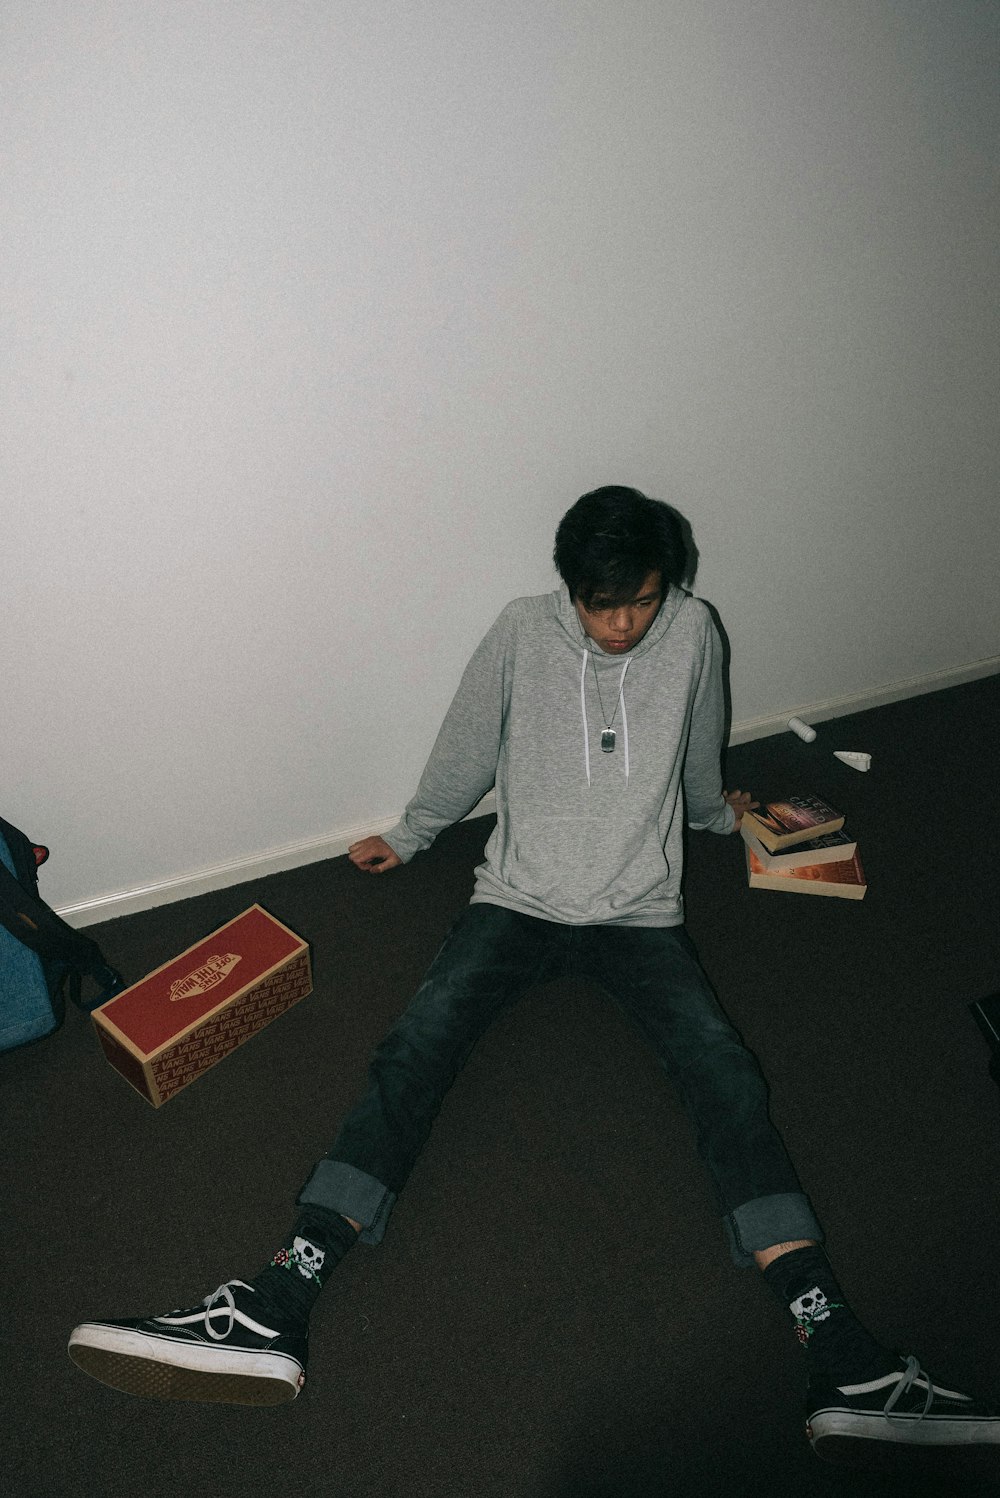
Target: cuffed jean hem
(344,1188)
(780,1218)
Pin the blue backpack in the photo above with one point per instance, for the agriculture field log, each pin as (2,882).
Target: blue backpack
(39,951)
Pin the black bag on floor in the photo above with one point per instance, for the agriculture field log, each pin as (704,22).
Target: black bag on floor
(39,950)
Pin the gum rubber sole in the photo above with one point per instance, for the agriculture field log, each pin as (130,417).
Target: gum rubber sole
(148,1379)
(832,1428)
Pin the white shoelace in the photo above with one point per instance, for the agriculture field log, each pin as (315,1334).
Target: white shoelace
(913,1372)
(226,1296)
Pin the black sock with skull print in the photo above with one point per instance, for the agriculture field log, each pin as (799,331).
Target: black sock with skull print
(840,1350)
(303,1264)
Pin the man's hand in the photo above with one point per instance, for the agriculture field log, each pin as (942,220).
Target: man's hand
(740,801)
(372,855)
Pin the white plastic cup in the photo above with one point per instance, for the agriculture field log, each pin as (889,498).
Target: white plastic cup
(802,729)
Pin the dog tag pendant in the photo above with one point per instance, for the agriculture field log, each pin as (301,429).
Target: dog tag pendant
(608,740)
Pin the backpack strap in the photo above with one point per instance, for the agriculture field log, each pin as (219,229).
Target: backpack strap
(25,856)
(25,915)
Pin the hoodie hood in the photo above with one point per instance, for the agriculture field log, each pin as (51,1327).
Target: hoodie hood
(569,619)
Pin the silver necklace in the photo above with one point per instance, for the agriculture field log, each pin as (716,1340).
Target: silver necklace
(608,735)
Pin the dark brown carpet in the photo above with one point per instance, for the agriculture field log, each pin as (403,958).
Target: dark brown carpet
(553,1313)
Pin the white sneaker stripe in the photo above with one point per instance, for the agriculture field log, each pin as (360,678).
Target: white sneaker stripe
(895,1378)
(873,1386)
(219,1311)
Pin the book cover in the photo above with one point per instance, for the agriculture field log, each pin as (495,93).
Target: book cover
(797,819)
(846,880)
(835,847)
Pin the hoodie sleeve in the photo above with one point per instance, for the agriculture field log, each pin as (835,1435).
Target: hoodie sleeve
(463,763)
(706,808)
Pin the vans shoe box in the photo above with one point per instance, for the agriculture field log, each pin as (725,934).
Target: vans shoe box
(174,1024)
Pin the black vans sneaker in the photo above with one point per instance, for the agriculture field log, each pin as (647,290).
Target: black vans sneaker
(904,1406)
(225,1351)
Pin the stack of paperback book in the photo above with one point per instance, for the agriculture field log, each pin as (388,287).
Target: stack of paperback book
(799,846)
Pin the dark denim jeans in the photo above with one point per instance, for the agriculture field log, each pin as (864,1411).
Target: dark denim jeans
(491,956)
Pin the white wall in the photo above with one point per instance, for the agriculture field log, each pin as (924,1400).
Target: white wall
(318,315)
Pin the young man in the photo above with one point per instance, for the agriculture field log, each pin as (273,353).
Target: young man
(596,711)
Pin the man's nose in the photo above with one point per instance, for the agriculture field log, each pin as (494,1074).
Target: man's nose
(621,622)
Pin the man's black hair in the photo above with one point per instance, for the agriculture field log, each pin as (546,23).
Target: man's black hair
(611,539)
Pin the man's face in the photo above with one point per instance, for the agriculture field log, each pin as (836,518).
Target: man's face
(618,628)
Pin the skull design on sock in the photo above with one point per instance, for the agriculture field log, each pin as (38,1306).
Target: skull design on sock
(812,1306)
(307,1258)
(809,1308)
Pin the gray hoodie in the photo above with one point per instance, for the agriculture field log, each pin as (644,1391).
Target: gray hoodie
(582,836)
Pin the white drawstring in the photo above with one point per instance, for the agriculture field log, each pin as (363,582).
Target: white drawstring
(621,694)
(583,711)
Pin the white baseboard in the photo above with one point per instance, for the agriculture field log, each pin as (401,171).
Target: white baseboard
(335,844)
(842,707)
(220,876)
